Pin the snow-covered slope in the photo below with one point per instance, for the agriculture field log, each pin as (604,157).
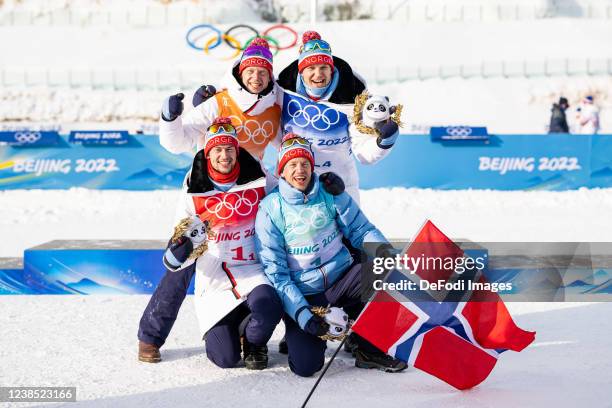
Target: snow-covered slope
(90,342)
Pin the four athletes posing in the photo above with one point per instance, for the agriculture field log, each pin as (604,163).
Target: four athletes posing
(236,304)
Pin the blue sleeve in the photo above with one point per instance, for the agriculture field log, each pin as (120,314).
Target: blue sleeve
(270,244)
(354,225)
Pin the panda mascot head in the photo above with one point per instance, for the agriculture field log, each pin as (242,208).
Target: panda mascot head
(376,109)
(197,232)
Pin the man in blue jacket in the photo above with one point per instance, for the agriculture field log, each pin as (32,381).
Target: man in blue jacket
(299,230)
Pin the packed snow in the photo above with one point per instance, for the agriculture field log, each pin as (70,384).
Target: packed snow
(90,342)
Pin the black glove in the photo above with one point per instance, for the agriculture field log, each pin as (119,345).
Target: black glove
(332,183)
(386,251)
(316,326)
(202,94)
(388,133)
(172,107)
(177,253)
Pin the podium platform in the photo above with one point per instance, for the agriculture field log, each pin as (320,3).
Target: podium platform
(85,267)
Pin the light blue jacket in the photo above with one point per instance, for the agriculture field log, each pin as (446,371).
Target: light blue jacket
(299,241)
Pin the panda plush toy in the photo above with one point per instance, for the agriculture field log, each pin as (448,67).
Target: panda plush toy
(376,109)
(197,231)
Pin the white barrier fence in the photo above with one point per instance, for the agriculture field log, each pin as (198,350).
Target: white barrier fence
(168,79)
(189,13)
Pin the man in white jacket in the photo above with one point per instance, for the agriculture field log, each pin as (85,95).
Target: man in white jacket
(249,97)
(232,295)
(318,98)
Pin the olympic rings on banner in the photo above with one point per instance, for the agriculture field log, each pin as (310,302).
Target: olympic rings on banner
(232,28)
(197,27)
(226,38)
(195,38)
(266,34)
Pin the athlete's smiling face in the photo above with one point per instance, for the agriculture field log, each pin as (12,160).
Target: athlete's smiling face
(297,172)
(317,76)
(255,79)
(223,158)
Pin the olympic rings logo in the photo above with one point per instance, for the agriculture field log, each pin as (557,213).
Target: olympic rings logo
(458,131)
(306,219)
(206,37)
(312,115)
(27,137)
(252,131)
(228,205)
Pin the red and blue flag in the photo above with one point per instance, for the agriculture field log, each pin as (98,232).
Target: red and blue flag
(457,341)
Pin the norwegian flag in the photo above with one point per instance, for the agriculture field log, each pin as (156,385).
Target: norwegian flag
(458,342)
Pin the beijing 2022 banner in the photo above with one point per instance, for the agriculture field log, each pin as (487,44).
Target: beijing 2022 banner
(91,159)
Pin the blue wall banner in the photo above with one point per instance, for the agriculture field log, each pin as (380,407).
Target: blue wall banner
(506,162)
(99,137)
(139,164)
(458,133)
(30,138)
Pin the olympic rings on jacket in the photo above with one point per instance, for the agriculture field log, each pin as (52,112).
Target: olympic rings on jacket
(195,35)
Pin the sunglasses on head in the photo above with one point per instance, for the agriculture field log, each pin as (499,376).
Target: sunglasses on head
(296,141)
(315,45)
(225,128)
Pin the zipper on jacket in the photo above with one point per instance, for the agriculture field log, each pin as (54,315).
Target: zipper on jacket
(324,277)
(231,279)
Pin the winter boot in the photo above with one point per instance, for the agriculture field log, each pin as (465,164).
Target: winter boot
(282,346)
(255,357)
(148,353)
(350,345)
(378,360)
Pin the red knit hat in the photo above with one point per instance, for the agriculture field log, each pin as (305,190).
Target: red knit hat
(257,54)
(314,51)
(220,132)
(294,146)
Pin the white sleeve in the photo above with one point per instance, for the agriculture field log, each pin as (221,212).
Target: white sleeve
(365,147)
(186,132)
(185,207)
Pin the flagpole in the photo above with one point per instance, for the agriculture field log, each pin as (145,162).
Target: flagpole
(324,371)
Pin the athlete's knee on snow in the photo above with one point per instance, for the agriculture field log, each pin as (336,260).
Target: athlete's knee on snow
(223,360)
(306,367)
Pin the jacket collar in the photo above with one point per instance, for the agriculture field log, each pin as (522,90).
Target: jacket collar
(294,196)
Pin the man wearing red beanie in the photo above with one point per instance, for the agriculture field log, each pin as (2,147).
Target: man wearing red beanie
(248,96)
(233,297)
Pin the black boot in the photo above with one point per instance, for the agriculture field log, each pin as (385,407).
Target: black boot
(255,357)
(350,345)
(378,360)
(282,346)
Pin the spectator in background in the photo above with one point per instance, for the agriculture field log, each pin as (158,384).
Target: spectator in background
(588,117)
(558,121)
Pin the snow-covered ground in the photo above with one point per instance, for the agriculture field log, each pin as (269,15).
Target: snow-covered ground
(29,218)
(90,342)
